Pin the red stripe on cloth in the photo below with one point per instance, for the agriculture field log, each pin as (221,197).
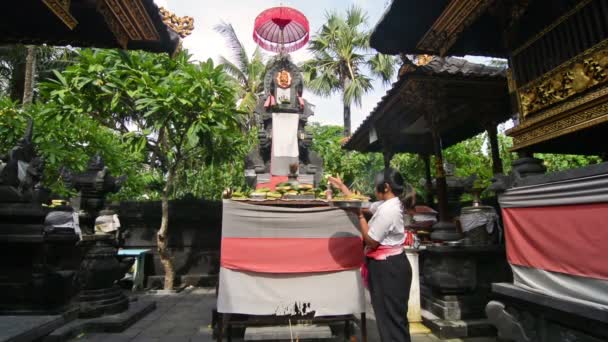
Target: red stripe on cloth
(292,255)
(568,239)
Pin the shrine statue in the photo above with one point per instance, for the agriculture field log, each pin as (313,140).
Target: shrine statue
(282,115)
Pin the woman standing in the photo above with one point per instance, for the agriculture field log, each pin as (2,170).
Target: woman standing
(389,271)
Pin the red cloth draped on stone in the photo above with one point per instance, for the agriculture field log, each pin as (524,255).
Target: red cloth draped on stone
(266,239)
(568,239)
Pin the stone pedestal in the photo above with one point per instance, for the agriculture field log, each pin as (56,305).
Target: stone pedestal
(456,286)
(99,271)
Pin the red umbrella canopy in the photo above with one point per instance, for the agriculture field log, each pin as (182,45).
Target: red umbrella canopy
(281,29)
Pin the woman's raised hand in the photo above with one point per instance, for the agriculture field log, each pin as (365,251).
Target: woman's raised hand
(336,182)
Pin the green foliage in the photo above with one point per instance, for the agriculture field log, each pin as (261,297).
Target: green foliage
(411,166)
(356,169)
(67,144)
(471,156)
(168,110)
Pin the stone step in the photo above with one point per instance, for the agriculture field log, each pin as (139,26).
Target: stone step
(284,332)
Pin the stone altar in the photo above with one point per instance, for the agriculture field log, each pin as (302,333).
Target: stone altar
(283,90)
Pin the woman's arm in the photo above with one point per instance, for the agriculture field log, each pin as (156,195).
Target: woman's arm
(364,227)
(338,184)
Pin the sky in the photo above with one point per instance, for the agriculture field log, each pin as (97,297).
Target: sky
(205,43)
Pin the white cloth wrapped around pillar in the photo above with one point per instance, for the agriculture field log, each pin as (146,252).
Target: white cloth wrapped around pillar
(284,142)
(414,314)
(106,224)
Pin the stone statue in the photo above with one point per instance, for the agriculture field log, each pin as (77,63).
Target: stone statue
(283,88)
(21,172)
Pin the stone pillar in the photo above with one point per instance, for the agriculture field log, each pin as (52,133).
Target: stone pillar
(414,313)
(526,165)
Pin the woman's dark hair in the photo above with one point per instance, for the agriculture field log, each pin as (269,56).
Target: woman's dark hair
(399,187)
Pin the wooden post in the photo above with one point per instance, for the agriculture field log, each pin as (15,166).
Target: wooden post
(441,184)
(388,156)
(428,179)
(495,151)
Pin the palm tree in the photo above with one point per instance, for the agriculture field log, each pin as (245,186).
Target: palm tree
(341,55)
(247,72)
(21,66)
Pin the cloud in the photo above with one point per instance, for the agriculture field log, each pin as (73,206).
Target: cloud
(162,3)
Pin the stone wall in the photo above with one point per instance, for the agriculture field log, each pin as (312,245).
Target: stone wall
(194,238)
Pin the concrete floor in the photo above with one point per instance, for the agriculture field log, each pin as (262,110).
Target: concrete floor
(186,317)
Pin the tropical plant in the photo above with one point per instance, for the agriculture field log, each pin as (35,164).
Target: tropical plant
(247,72)
(343,62)
(355,168)
(171,110)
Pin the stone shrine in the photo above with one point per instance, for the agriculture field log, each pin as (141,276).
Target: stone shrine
(100,268)
(281,116)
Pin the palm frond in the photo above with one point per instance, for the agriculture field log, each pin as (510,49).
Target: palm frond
(383,67)
(355,16)
(353,93)
(239,53)
(233,70)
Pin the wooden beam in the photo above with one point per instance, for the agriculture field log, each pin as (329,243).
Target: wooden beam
(458,15)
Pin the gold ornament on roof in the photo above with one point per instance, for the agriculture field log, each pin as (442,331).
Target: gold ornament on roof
(423,59)
(183,26)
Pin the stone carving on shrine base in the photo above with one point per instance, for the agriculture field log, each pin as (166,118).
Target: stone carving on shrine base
(283,87)
(585,72)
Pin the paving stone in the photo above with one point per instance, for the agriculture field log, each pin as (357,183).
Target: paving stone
(186,317)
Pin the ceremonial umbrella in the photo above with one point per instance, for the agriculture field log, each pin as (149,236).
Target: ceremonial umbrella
(281,29)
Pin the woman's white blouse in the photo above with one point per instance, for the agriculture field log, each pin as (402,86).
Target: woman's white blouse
(386,225)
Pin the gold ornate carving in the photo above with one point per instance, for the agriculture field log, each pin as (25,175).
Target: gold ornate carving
(573,77)
(283,79)
(563,119)
(573,123)
(61,8)
(423,59)
(455,18)
(183,26)
(128,21)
